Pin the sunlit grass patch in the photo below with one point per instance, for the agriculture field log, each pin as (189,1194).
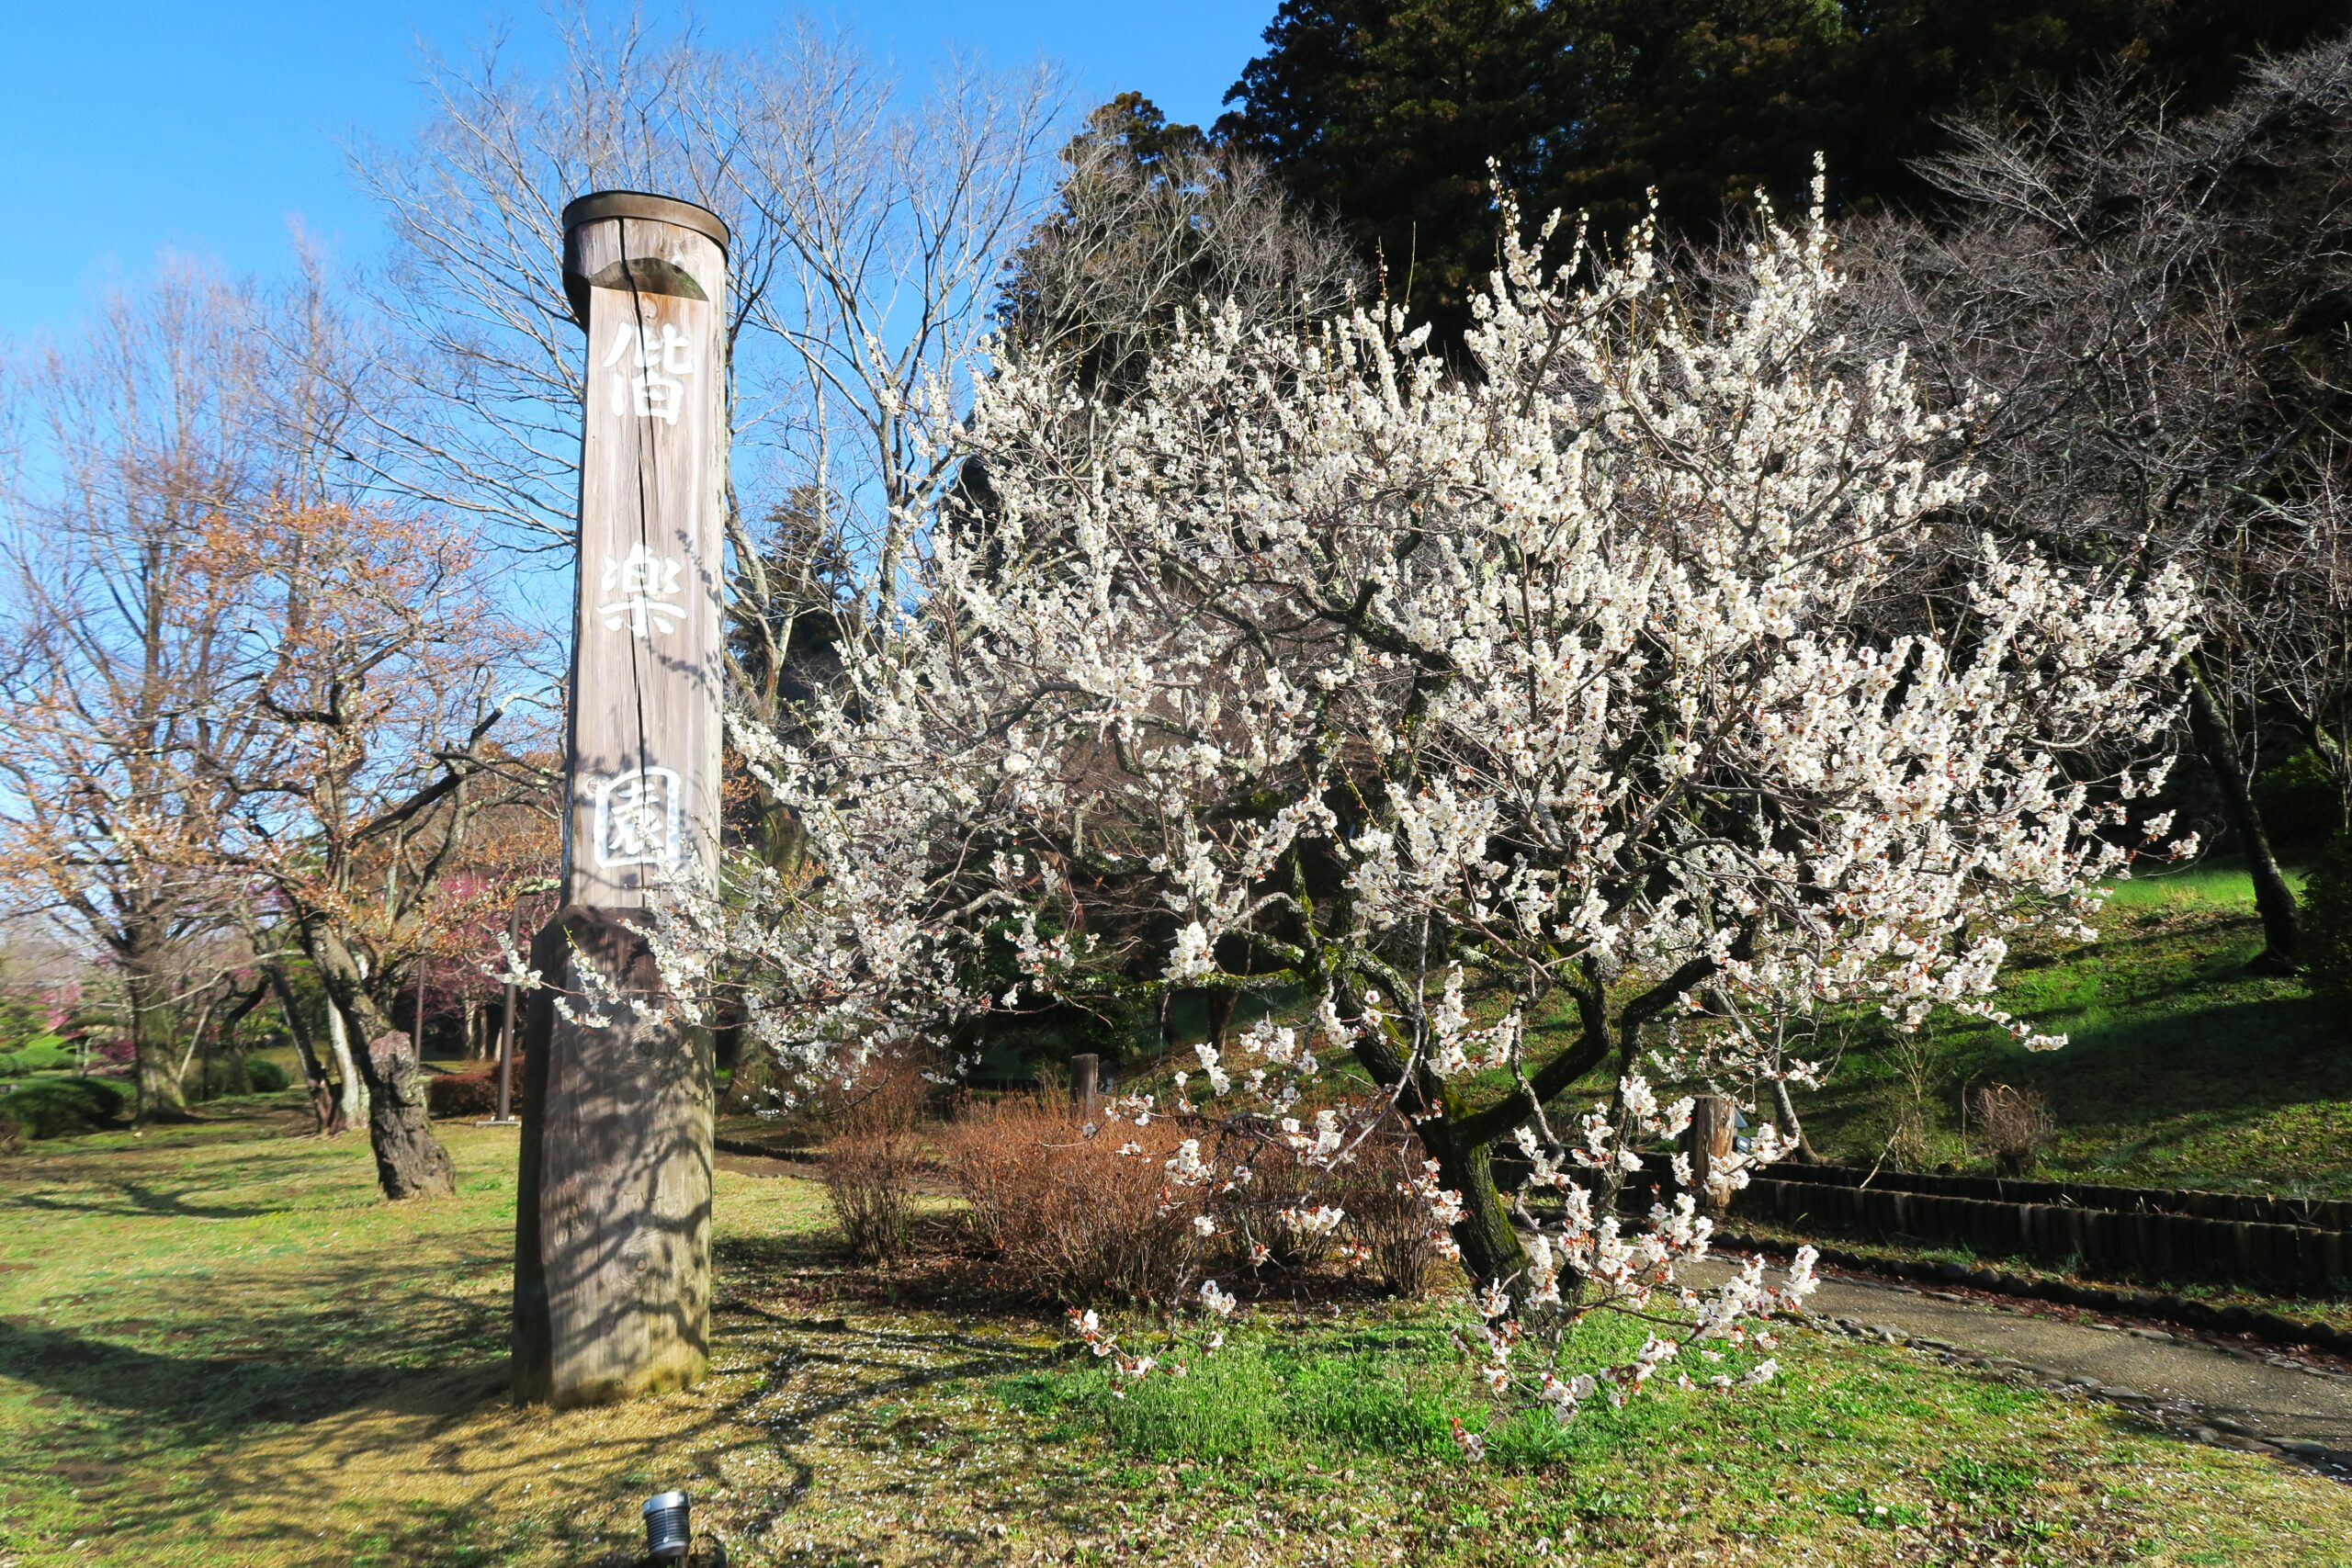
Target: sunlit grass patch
(1860,1455)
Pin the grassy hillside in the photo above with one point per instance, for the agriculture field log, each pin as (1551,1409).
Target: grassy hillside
(2183,1067)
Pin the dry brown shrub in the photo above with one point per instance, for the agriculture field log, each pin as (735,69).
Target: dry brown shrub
(1391,1224)
(1281,1184)
(872,1155)
(1066,1217)
(1051,1077)
(2015,1123)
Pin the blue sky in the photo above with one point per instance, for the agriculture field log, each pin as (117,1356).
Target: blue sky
(205,126)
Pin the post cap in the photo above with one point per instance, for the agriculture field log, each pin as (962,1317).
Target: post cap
(599,204)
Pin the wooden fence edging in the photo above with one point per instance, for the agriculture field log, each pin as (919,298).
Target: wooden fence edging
(2297,1256)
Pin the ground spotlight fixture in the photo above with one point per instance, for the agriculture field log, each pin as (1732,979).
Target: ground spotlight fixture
(666,1535)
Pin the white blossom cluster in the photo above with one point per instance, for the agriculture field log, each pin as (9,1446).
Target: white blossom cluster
(1567,679)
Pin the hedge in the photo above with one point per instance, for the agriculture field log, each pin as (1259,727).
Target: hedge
(49,1108)
(468,1094)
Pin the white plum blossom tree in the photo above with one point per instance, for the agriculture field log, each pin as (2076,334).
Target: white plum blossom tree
(1500,714)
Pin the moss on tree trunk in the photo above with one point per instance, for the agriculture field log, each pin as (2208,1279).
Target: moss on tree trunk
(1491,1249)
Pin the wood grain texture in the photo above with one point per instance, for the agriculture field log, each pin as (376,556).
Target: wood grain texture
(1708,1142)
(646,640)
(612,1275)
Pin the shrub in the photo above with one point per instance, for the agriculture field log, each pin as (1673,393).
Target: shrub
(1067,1217)
(871,1158)
(1391,1224)
(2015,1123)
(454,1095)
(2327,918)
(2300,802)
(1281,1184)
(755,1085)
(42,1053)
(1051,1076)
(236,1073)
(50,1108)
(1910,1096)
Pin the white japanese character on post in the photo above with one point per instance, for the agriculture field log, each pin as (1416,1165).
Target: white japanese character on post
(658,357)
(641,820)
(647,585)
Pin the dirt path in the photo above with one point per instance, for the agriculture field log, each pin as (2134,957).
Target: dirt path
(2237,1398)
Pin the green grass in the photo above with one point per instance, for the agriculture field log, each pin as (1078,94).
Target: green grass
(42,1053)
(1341,1434)
(218,1348)
(2182,1066)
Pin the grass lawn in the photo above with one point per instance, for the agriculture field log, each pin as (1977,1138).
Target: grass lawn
(218,1348)
(2183,1068)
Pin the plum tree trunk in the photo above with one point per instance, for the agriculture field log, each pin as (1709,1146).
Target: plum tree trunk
(410,1161)
(1492,1252)
(1785,1111)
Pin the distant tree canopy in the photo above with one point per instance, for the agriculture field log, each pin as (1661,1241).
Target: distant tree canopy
(1152,219)
(1386,112)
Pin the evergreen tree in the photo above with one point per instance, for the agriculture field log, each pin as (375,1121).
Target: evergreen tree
(1386,112)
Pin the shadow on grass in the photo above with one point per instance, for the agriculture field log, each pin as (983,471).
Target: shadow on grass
(127,1198)
(2248,1054)
(365,1414)
(220,1356)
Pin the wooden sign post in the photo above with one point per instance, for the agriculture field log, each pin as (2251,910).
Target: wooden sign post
(612,1237)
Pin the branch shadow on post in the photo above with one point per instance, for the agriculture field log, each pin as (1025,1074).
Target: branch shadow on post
(612,1279)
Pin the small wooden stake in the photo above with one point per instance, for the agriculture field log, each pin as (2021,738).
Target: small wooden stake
(1086,1083)
(1709,1141)
(505,1115)
(612,1235)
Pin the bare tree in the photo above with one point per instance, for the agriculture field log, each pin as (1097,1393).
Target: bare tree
(377,667)
(122,677)
(868,231)
(2145,299)
(247,715)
